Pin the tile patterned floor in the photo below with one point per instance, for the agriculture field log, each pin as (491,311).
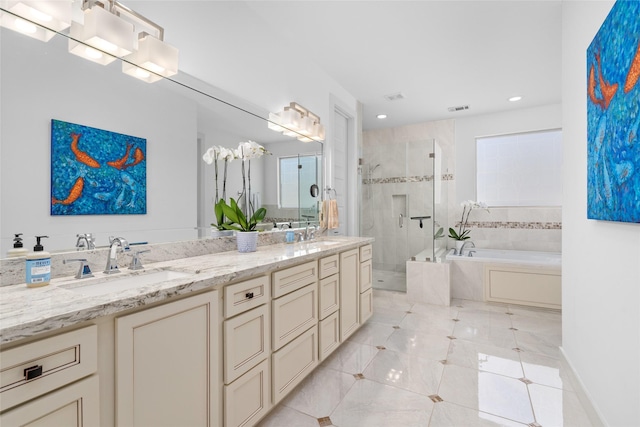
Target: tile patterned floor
(389,280)
(414,364)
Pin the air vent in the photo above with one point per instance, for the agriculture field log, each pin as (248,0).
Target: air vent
(458,108)
(395,96)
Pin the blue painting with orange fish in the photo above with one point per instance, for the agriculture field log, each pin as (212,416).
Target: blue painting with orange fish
(97,172)
(613,116)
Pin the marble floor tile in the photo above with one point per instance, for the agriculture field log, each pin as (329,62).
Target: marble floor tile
(484,357)
(447,414)
(437,325)
(545,344)
(373,334)
(391,300)
(371,404)
(486,392)
(311,397)
(466,305)
(485,333)
(545,370)
(431,310)
(537,325)
(387,316)
(428,346)
(409,372)
(351,357)
(486,317)
(282,416)
(554,407)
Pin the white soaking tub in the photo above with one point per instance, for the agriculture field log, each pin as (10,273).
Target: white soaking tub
(508,276)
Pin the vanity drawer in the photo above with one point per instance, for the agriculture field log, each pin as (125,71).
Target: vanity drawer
(49,363)
(366,305)
(290,279)
(246,295)
(366,275)
(366,252)
(247,399)
(293,362)
(293,314)
(329,265)
(328,335)
(329,295)
(247,342)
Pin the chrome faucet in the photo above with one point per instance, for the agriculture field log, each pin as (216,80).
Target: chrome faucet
(473,245)
(112,261)
(85,241)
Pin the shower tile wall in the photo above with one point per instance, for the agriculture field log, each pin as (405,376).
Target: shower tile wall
(380,219)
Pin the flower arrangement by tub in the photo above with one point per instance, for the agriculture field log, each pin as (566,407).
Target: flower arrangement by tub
(463,232)
(212,155)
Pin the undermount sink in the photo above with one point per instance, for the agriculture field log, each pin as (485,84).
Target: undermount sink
(118,283)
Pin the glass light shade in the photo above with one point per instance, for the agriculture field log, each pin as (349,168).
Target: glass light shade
(84,51)
(274,122)
(290,119)
(304,138)
(318,133)
(306,125)
(154,56)
(53,15)
(108,32)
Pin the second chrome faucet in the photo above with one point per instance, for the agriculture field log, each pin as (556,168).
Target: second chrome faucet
(112,261)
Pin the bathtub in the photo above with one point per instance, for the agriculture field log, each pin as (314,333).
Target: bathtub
(513,277)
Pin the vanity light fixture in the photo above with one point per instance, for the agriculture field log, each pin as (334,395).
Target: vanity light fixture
(37,19)
(299,122)
(109,32)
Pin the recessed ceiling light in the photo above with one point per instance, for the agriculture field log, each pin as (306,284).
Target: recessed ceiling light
(381,116)
(515,98)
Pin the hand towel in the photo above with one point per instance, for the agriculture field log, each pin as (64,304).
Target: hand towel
(332,214)
(323,214)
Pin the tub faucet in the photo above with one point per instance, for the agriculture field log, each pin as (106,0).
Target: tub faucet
(473,245)
(112,261)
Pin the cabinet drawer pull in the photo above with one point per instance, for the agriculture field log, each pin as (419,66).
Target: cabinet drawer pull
(249,295)
(33,372)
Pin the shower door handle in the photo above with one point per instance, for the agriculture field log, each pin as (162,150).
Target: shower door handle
(401,221)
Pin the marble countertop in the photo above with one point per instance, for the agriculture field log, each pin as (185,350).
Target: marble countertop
(26,312)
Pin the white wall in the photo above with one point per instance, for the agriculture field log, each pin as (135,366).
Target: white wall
(601,260)
(39,85)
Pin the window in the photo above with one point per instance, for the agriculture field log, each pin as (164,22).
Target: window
(520,169)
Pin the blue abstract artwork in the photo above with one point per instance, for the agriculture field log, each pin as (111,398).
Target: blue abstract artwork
(613,117)
(97,172)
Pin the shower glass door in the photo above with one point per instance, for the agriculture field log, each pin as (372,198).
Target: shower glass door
(397,197)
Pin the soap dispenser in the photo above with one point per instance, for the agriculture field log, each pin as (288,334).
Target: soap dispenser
(18,249)
(38,266)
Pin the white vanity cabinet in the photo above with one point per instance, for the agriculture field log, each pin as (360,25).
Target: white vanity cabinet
(167,364)
(365,281)
(246,350)
(329,305)
(349,293)
(39,381)
(295,330)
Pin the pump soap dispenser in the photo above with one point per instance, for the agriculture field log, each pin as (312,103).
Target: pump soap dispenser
(38,266)
(17,250)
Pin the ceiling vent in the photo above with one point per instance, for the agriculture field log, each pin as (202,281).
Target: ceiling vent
(395,96)
(458,108)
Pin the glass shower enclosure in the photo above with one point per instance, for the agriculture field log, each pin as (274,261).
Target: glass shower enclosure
(404,198)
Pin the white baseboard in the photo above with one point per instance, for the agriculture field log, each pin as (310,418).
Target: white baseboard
(583,395)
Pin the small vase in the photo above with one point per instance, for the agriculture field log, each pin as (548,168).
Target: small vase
(247,241)
(459,244)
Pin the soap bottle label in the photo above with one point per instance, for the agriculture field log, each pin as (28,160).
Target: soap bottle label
(38,270)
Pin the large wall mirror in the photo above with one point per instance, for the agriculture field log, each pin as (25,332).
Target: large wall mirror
(179,118)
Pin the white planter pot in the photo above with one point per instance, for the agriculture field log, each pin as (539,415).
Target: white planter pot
(247,241)
(459,244)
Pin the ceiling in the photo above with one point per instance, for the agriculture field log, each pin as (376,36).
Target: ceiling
(438,54)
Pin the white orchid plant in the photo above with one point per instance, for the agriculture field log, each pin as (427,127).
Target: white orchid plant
(463,233)
(232,217)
